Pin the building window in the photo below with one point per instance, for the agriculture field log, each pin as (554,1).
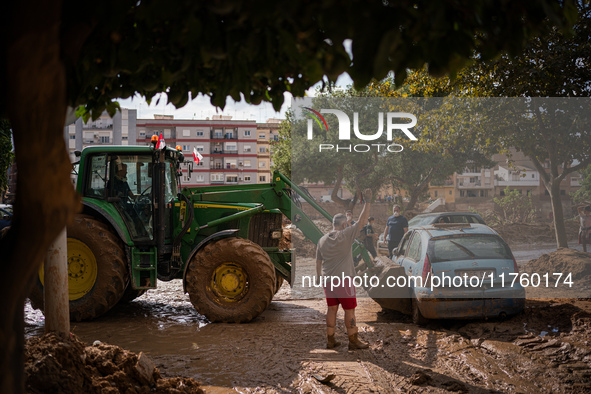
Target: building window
(262,136)
(262,149)
(246,163)
(247,148)
(450,192)
(186,133)
(231,147)
(217,177)
(262,164)
(263,178)
(562,192)
(199,133)
(247,178)
(231,179)
(247,133)
(104,139)
(199,148)
(186,147)
(435,193)
(142,134)
(72,136)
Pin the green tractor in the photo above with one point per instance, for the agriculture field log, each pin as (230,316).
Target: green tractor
(137,227)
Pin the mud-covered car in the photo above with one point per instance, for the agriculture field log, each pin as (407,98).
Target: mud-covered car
(424,219)
(459,271)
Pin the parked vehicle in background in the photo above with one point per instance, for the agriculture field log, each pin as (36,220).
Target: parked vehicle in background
(326,198)
(425,219)
(461,271)
(445,217)
(5,215)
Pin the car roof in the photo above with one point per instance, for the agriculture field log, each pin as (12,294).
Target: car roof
(424,215)
(448,229)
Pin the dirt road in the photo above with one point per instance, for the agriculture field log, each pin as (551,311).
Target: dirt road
(544,350)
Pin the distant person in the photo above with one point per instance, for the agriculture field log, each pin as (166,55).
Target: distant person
(396,227)
(585,229)
(369,236)
(334,258)
(350,221)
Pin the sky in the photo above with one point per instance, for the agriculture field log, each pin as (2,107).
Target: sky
(200,107)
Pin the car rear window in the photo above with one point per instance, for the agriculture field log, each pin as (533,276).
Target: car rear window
(468,247)
(420,221)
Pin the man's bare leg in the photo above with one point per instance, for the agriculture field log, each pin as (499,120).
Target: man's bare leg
(352,331)
(331,322)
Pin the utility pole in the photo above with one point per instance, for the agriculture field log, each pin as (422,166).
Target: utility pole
(55,274)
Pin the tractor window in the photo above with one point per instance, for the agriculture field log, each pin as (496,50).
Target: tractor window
(130,187)
(96,181)
(170,189)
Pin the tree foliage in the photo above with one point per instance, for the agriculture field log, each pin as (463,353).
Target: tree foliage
(282,149)
(555,64)
(513,208)
(258,50)
(583,194)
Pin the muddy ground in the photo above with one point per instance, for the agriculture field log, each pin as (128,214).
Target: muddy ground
(545,349)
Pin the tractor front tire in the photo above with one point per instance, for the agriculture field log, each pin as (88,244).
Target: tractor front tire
(231,280)
(97,270)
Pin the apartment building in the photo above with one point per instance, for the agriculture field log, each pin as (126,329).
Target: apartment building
(119,130)
(229,147)
(267,135)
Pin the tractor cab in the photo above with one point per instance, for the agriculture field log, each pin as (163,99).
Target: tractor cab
(137,184)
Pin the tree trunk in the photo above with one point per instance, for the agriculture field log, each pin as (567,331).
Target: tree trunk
(559,229)
(45,199)
(415,194)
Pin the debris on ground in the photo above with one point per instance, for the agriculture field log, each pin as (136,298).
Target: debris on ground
(563,260)
(534,233)
(55,364)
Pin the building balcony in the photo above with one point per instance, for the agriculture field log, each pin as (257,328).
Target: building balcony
(223,152)
(517,183)
(224,136)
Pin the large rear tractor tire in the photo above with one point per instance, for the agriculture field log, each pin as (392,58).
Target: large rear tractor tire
(130,294)
(97,270)
(231,280)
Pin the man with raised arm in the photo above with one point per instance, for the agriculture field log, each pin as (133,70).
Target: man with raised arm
(334,259)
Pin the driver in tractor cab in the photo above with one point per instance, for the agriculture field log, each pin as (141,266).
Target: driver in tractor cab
(120,188)
(120,185)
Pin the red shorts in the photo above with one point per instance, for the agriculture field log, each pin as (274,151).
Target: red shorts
(341,295)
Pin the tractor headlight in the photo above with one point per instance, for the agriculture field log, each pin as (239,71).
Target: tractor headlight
(276,234)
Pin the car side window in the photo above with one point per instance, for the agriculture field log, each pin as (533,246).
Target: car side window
(404,243)
(414,249)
